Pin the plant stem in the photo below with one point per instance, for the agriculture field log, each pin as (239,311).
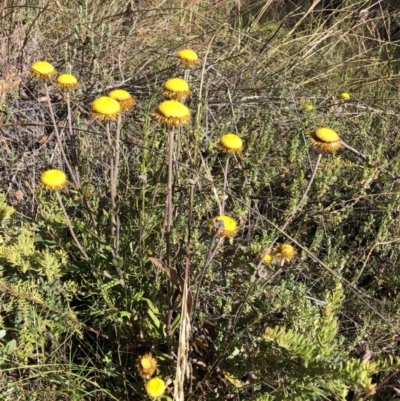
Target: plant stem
(210,256)
(355,151)
(224,195)
(117,157)
(71,135)
(58,138)
(78,244)
(169,181)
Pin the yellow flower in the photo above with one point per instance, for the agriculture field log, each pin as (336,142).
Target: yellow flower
(188,57)
(67,82)
(105,108)
(146,365)
(124,98)
(229,227)
(267,259)
(54,180)
(172,113)
(43,70)
(284,253)
(231,143)
(176,88)
(325,139)
(155,387)
(345,96)
(308,107)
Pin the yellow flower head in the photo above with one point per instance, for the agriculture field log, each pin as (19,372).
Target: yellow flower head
(308,107)
(42,70)
(172,113)
(345,96)
(124,98)
(155,387)
(325,139)
(176,88)
(146,365)
(231,143)
(54,180)
(284,253)
(228,229)
(188,57)
(67,82)
(267,258)
(105,108)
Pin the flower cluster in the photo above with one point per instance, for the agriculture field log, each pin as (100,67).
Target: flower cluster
(283,253)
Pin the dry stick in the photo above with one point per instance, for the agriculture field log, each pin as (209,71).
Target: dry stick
(168,215)
(355,151)
(57,134)
(185,326)
(114,217)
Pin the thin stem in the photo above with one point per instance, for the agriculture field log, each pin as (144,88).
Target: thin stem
(71,135)
(78,244)
(314,173)
(224,195)
(169,182)
(117,157)
(355,151)
(209,258)
(168,215)
(112,176)
(58,138)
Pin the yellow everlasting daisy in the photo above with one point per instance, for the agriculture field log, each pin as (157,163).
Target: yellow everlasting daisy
(54,180)
(155,387)
(42,70)
(176,88)
(345,96)
(106,108)
(188,57)
(146,365)
(267,258)
(67,82)
(284,253)
(325,139)
(124,98)
(172,113)
(229,228)
(231,143)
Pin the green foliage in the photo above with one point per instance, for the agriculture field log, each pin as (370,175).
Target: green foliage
(316,361)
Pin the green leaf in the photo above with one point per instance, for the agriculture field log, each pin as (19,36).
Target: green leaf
(9,348)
